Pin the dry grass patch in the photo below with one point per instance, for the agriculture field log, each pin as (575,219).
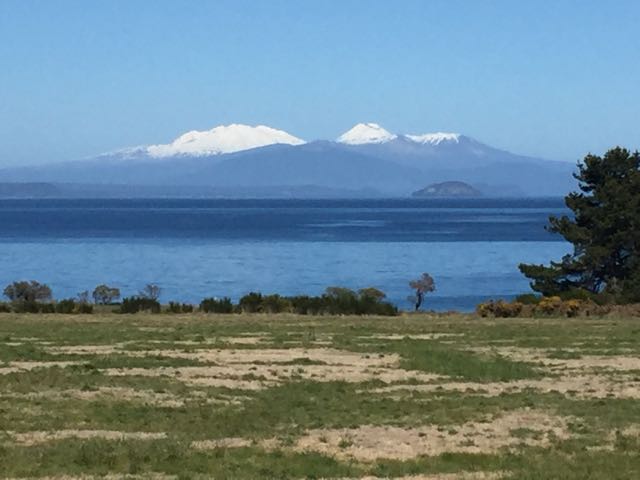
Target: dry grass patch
(255,369)
(17,367)
(125,476)
(368,443)
(545,358)
(440,476)
(39,437)
(577,386)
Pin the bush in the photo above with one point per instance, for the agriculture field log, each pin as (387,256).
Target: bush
(139,304)
(275,304)
(549,306)
(177,307)
(251,303)
(4,307)
(214,305)
(306,305)
(65,306)
(499,309)
(528,299)
(26,307)
(85,308)
(46,308)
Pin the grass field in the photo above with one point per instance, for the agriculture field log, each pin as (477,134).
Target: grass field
(269,396)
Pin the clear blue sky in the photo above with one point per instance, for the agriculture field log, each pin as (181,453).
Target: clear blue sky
(550,78)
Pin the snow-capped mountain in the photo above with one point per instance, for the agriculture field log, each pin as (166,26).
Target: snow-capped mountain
(365,158)
(364,133)
(435,138)
(223,139)
(372,133)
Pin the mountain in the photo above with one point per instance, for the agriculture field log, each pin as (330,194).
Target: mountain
(447,190)
(364,133)
(366,158)
(223,139)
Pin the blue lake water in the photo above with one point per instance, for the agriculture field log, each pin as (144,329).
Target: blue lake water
(199,248)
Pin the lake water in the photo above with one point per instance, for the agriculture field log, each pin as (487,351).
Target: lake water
(199,248)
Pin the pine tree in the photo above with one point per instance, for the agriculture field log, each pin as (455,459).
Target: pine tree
(604,230)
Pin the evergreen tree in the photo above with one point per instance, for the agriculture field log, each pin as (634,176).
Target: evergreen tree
(604,230)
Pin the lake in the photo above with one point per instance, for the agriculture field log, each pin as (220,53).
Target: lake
(199,248)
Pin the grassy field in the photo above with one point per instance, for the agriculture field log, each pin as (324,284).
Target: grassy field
(281,396)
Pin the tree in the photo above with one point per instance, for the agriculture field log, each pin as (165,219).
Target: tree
(372,294)
(422,285)
(104,294)
(83,297)
(604,230)
(28,291)
(151,291)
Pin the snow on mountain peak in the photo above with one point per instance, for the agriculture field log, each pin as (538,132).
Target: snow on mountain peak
(435,138)
(223,139)
(366,133)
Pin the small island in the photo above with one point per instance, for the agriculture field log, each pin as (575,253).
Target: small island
(448,190)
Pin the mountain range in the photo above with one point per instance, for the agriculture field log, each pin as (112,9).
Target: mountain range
(245,161)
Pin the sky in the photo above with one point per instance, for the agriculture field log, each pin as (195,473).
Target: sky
(554,79)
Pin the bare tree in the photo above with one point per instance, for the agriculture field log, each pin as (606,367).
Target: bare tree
(422,285)
(150,291)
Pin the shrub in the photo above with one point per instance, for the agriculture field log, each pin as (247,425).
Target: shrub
(549,306)
(25,306)
(275,304)
(45,308)
(4,307)
(500,309)
(528,299)
(340,300)
(139,304)
(177,307)
(85,308)
(370,302)
(214,305)
(65,306)
(306,305)
(251,302)
(573,307)
(187,308)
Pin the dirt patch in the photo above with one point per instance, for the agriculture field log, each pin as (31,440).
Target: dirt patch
(36,438)
(578,386)
(368,443)
(261,368)
(274,356)
(157,329)
(543,357)
(122,476)
(231,442)
(17,367)
(441,476)
(416,336)
(85,349)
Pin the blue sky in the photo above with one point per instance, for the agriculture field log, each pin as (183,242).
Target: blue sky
(550,78)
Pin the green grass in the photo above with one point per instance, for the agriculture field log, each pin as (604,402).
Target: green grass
(287,409)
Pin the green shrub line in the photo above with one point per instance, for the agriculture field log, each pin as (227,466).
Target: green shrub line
(335,301)
(33,297)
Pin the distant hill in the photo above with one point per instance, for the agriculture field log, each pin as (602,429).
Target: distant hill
(28,190)
(447,190)
(238,159)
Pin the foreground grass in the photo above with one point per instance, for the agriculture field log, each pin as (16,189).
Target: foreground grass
(72,389)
